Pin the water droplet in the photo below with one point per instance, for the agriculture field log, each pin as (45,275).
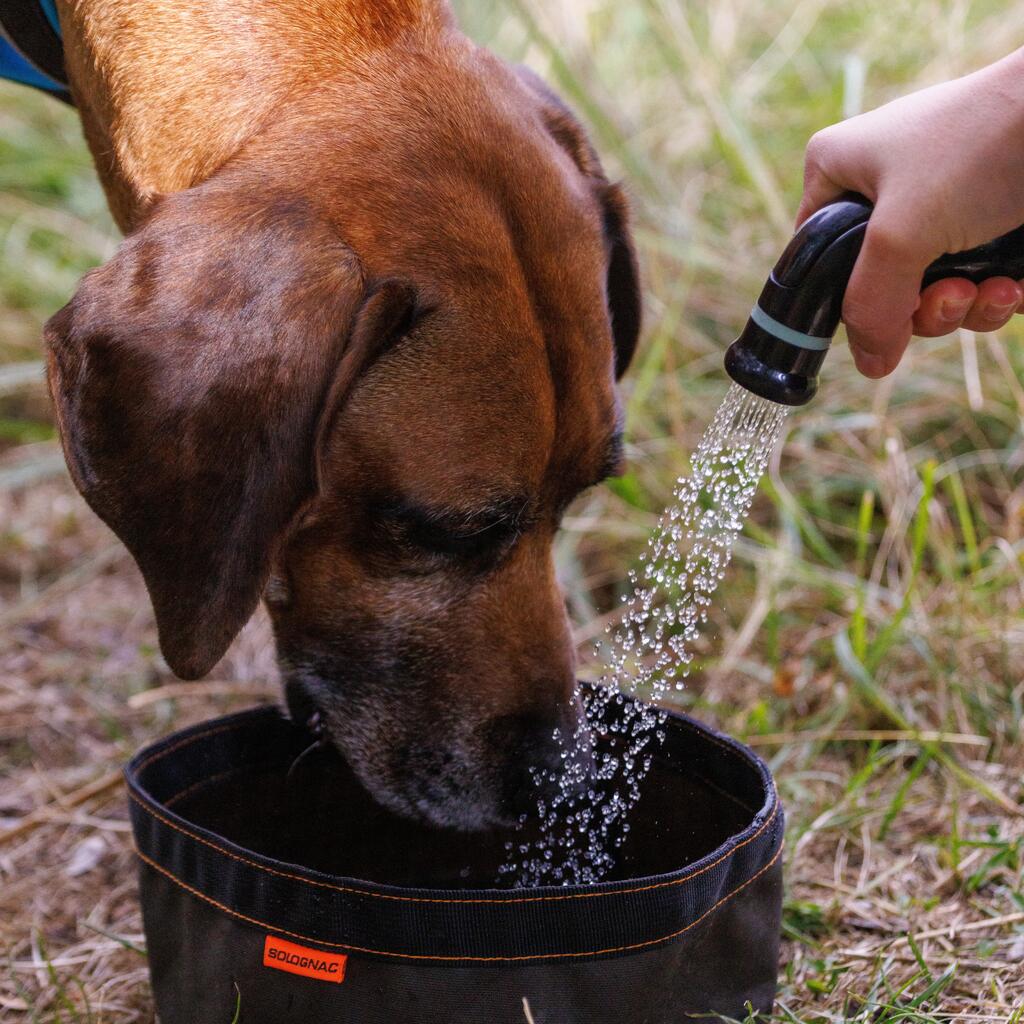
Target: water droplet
(650,651)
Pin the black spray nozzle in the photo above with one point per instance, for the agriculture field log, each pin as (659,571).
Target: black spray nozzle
(787,337)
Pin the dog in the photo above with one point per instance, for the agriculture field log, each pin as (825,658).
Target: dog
(357,353)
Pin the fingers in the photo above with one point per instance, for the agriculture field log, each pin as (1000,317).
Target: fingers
(998,299)
(944,306)
(955,302)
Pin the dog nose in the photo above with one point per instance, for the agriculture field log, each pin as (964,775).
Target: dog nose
(301,708)
(543,756)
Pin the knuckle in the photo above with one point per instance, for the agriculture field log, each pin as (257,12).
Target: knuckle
(890,240)
(816,153)
(821,141)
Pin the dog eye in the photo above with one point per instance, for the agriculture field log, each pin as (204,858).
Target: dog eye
(461,543)
(475,538)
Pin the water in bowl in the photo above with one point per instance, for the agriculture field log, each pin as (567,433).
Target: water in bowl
(650,652)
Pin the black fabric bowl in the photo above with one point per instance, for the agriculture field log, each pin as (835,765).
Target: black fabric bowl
(293,897)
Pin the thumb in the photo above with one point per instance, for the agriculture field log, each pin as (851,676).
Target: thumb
(883,294)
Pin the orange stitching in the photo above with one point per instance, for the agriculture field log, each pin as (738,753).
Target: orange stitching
(478,959)
(171,800)
(431,899)
(693,727)
(189,790)
(736,752)
(187,741)
(723,792)
(751,762)
(703,731)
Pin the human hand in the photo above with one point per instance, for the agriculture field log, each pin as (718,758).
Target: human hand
(945,170)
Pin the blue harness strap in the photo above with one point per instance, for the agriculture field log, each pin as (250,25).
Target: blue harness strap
(31,51)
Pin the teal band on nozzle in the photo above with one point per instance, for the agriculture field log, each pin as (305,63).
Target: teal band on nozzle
(787,334)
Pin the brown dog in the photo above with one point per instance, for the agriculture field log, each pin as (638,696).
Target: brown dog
(355,356)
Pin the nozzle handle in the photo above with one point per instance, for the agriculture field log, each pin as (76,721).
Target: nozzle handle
(784,343)
(821,256)
(1002,257)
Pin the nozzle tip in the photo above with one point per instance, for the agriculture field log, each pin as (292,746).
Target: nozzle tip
(761,363)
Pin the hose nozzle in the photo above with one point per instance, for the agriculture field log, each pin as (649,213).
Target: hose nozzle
(785,341)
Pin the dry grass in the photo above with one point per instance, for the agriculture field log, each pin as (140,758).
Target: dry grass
(78,644)
(870,638)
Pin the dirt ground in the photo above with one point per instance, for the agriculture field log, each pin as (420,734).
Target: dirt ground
(82,686)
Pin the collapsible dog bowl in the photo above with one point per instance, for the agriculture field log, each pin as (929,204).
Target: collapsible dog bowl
(293,897)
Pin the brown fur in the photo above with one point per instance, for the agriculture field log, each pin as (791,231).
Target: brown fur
(358,351)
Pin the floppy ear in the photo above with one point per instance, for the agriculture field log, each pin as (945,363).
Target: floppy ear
(188,375)
(623,283)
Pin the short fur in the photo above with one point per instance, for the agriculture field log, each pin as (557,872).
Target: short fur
(356,354)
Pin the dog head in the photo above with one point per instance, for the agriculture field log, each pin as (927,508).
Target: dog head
(361,371)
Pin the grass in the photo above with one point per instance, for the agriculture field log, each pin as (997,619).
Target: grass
(869,639)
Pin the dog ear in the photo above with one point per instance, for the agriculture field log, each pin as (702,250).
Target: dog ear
(623,283)
(188,376)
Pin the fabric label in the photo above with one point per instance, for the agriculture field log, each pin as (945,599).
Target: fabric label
(310,963)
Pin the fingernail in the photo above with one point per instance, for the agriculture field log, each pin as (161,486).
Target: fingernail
(994,312)
(954,310)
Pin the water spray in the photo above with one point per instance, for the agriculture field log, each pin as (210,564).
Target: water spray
(774,364)
(790,329)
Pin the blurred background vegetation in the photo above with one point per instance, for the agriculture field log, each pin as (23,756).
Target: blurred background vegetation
(869,638)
